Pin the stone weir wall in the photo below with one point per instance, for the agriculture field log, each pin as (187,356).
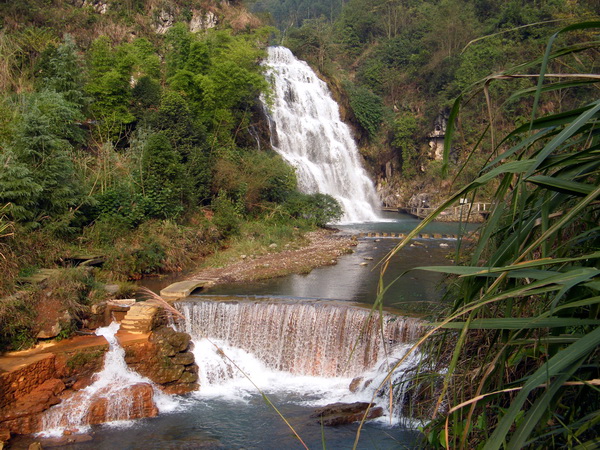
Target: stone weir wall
(33,381)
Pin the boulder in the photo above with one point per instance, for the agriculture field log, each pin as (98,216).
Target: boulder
(140,404)
(355,384)
(337,414)
(166,360)
(24,416)
(166,335)
(185,359)
(52,325)
(4,437)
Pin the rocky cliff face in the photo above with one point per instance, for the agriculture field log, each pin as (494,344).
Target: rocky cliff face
(167,360)
(49,378)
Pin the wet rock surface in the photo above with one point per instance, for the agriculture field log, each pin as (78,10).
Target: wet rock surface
(30,388)
(337,414)
(24,416)
(167,360)
(142,405)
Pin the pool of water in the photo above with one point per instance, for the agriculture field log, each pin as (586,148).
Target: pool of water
(216,423)
(356,276)
(403,223)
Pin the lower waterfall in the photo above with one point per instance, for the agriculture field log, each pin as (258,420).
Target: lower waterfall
(117,394)
(313,350)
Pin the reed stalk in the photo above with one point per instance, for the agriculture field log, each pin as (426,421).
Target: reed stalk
(525,311)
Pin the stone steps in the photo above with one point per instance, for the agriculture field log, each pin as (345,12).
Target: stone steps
(183,289)
(139,318)
(40,277)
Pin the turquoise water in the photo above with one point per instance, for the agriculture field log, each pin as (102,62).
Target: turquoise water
(220,424)
(356,276)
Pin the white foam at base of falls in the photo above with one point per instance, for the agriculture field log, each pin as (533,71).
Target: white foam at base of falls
(306,130)
(281,348)
(110,383)
(232,374)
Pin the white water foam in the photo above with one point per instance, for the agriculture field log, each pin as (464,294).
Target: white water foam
(111,383)
(306,130)
(232,374)
(283,349)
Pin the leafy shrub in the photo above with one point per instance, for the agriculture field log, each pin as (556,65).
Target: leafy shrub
(146,93)
(254,178)
(318,209)
(226,217)
(137,259)
(405,128)
(367,107)
(38,175)
(16,323)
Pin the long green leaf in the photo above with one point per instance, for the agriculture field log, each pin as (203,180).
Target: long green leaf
(567,186)
(563,359)
(547,57)
(450,130)
(565,134)
(518,323)
(543,403)
(551,87)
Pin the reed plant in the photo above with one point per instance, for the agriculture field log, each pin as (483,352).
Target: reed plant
(523,321)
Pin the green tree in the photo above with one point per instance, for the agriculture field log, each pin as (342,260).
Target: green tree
(17,187)
(162,178)
(110,88)
(367,107)
(313,41)
(61,70)
(41,151)
(188,137)
(405,127)
(317,209)
(177,48)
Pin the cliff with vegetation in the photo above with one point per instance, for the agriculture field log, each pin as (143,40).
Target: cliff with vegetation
(398,65)
(128,139)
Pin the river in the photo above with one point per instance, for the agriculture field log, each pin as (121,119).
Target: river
(235,415)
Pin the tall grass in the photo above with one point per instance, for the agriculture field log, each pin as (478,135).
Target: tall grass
(524,317)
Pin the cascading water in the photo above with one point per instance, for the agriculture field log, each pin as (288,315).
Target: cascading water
(307,131)
(112,395)
(312,349)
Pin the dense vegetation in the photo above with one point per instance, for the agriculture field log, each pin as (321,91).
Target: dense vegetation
(517,349)
(523,367)
(398,65)
(134,142)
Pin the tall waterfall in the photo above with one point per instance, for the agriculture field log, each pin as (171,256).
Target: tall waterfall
(307,131)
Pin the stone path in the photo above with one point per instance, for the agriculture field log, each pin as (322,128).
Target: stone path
(14,360)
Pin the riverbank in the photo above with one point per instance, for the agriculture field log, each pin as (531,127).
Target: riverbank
(317,248)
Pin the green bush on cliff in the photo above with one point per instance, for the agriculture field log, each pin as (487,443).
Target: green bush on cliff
(367,107)
(318,209)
